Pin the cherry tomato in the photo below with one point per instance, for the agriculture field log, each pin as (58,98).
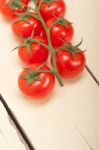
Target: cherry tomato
(25,1)
(39,88)
(60,33)
(24,28)
(43,34)
(70,65)
(9,11)
(37,53)
(51,8)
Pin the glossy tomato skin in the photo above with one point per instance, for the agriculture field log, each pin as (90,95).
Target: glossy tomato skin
(43,34)
(38,89)
(25,1)
(69,65)
(60,34)
(39,54)
(55,8)
(10,13)
(24,28)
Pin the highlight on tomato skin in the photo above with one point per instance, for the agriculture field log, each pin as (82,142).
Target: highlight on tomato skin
(61,32)
(37,53)
(38,89)
(49,9)
(70,65)
(24,29)
(10,13)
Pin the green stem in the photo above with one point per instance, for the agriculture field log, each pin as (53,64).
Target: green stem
(41,1)
(45,71)
(41,43)
(50,48)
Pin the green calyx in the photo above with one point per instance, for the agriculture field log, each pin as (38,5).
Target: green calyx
(34,1)
(30,40)
(59,21)
(31,76)
(50,1)
(26,43)
(47,1)
(15,4)
(24,16)
(72,49)
(63,21)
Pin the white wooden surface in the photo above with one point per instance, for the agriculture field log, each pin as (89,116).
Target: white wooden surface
(69,119)
(84,14)
(9,138)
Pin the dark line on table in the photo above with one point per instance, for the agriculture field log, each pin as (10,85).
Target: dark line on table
(90,147)
(17,124)
(92,75)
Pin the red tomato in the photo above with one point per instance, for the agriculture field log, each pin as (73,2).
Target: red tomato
(54,8)
(70,65)
(43,34)
(10,12)
(25,1)
(39,54)
(60,33)
(24,28)
(38,88)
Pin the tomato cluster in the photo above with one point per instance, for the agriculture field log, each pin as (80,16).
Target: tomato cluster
(43,33)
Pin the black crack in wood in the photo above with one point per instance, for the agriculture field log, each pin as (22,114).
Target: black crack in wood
(17,124)
(92,75)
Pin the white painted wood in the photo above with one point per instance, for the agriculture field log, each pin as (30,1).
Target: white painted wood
(9,138)
(85,17)
(51,124)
